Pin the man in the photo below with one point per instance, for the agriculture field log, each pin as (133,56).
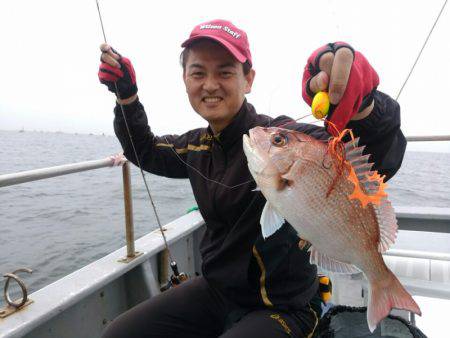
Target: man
(249,287)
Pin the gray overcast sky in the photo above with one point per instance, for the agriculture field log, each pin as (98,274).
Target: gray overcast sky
(50,57)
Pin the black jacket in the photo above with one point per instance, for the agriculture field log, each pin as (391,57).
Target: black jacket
(251,271)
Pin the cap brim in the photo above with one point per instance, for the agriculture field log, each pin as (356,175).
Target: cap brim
(233,50)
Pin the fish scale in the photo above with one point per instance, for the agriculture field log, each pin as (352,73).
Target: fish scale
(339,207)
(316,195)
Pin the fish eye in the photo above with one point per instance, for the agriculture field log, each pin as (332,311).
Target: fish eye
(279,140)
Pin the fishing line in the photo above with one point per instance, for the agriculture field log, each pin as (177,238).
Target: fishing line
(421,50)
(294,121)
(205,177)
(220,183)
(270,103)
(135,153)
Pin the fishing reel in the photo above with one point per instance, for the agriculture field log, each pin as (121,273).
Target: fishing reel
(175,279)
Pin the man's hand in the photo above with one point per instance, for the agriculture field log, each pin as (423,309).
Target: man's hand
(348,78)
(334,73)
(116,70)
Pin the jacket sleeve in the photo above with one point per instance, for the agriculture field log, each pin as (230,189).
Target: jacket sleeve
(162,156)
(379,132)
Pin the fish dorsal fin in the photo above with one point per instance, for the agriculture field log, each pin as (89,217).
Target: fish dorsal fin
(330,264)
(369,185)
(270,221)
(352,144)
(387,223)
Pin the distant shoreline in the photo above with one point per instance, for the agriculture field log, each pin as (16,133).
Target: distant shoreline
(443,147)
(54,132)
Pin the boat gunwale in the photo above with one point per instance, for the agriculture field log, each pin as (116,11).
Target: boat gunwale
(79,284)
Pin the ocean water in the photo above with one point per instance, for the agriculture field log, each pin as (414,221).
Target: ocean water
(58,225)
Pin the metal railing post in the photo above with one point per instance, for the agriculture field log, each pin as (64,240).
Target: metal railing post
(129,228)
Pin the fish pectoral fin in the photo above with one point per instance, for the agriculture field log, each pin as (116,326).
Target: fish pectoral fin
(270,221)
(330,264)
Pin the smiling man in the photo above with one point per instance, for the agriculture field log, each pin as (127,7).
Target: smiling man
(250,287)
(216,83)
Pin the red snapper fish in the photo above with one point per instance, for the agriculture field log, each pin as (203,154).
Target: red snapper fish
(327,191)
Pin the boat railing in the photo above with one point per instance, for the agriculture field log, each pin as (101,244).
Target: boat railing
(428,138)
(40,174)
(99,282)
(437,256)
(116,160)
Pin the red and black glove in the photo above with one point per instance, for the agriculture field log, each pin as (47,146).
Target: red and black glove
(125,77)
(362,82)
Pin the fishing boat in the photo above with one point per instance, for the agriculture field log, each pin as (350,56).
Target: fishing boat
(82,303)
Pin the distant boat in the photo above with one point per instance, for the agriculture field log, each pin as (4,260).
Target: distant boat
(22,130)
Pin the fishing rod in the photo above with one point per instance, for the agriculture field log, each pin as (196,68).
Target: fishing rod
(177,277)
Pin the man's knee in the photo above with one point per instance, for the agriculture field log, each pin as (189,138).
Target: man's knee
(140,321)
(181,311)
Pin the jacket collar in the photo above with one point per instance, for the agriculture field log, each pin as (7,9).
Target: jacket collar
(244,120)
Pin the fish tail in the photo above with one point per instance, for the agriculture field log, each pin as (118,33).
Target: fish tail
(386,294)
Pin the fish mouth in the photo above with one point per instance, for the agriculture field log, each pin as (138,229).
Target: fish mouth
(247,144)
(255,162)
(246,140)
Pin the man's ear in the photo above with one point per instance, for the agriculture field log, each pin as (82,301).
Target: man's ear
(185,80)
(250,77)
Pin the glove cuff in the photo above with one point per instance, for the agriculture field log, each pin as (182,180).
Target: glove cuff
(125,91)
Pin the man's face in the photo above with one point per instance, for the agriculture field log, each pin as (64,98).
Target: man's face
(215,83)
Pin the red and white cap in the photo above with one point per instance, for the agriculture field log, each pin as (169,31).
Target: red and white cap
(228,35)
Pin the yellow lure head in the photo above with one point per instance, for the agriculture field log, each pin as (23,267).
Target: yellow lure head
(320,105)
